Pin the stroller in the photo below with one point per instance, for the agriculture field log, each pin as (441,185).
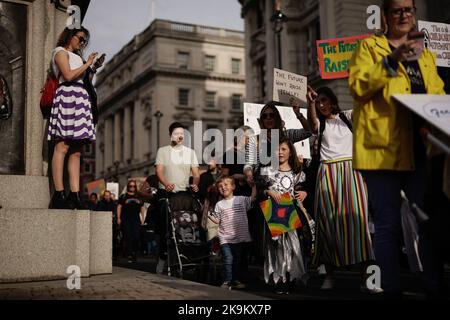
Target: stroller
(186,239)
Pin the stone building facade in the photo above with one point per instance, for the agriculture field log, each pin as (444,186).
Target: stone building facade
(306,21)
(169,72)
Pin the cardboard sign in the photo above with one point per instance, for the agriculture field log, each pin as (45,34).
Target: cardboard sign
(435,109)
(334,56)
(437,40)
(251,115)
(288,85)
(113,187)
(97,186)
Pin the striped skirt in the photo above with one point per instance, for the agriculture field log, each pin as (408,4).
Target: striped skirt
(341,206)
(71,114)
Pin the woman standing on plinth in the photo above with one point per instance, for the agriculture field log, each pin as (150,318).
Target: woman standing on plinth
(71,123)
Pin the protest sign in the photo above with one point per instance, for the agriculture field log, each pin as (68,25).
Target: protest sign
(97,186)
(334,56)
(435,109)
(251,115)
(113,187)
(287,85)
(437,40)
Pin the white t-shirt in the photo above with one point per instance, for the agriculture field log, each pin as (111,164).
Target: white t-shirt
(75,62)
(233,222)
(337,139)
(177,163)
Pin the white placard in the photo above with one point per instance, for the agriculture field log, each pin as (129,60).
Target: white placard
(437,40)
(287,85)
(114,188)
(435,109)
(251,115)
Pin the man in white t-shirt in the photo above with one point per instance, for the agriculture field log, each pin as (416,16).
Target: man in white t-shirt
(175,162)
(174,165)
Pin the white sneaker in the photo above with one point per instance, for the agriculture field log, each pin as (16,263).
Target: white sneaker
(321,270)
(328,283)
(374,290)
(160,266)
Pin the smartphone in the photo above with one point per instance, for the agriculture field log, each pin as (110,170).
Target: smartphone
(418,36)
(100,60)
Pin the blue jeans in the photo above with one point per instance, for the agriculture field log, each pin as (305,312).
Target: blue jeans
(233,261)
(385,203)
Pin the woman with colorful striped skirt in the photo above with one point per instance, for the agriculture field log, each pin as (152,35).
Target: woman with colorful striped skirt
(71,123)
(341,206)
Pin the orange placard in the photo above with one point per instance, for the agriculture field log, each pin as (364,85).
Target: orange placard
(334,55)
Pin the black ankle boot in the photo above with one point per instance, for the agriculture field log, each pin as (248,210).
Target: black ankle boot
(74,201)
(58,201)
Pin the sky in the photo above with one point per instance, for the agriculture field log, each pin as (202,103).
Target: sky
(113,23)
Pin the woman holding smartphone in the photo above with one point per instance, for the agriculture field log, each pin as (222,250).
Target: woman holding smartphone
(387,147)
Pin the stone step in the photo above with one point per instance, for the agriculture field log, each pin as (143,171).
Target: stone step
(27,192)
(40,244)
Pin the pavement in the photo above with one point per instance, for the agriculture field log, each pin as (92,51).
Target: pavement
(138,281)
(122,284)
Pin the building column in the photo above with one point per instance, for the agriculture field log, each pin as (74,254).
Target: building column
(117,146)
(270,49)
(127,140)
(109,136)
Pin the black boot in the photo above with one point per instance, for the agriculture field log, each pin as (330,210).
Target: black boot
(58,201)
(74,201)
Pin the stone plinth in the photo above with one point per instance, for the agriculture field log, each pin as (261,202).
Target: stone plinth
(26,192)
(39,244)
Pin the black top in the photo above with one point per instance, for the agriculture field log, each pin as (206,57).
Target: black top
(417,87)
(131,206)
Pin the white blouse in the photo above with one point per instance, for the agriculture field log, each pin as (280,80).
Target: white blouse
(337,140)
(75,62)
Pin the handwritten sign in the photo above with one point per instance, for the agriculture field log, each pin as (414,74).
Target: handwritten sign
(287,85)
(334,56)
(435,109)
(251,115)
(437,40)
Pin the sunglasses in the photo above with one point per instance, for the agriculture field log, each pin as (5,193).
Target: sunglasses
(81,39)
(131,186)
(265,116)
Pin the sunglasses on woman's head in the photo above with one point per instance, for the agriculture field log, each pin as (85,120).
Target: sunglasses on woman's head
(265,116)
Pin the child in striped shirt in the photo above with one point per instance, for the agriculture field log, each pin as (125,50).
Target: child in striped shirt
(231,215)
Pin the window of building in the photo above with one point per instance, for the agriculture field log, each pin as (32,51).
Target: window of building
(183,60)
(210,99)
(235,66)
(210,63)
(183,97)
(88,149)
(87,168)
(236,101)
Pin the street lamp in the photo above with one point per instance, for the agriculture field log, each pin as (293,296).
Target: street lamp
(278,19)
(158,114)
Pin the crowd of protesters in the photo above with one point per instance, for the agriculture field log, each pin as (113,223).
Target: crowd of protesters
(362,159)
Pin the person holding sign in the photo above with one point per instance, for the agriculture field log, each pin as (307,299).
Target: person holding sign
(387,145)
(341,205)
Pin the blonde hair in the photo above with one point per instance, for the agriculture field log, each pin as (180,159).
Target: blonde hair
(225,178)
